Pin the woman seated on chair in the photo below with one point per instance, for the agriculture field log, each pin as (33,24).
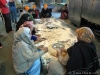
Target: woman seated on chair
(82,56)
(26,57)
(45,13)
(35,12)
(64,12)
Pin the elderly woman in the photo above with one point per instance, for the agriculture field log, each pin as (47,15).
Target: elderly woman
(82,56)
(26,58)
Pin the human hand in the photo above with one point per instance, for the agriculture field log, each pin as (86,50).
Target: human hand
(58,52)
(45,49)
(62,50)
(41,46)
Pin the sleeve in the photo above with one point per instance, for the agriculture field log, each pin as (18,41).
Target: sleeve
(30,55)
(3,2)
(31,17)
(33,38)
(37,13)
(49,11)
(41,15)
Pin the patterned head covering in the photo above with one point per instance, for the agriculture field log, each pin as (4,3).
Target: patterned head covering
(45,6)
(85,34)
(34,6)
(26,8)
(28,24)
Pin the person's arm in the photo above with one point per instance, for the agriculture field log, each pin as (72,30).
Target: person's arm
(49,12)
(31,55)
(31,17)
(37,13)
(42,13)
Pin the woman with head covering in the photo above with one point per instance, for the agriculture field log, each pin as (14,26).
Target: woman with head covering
(82,55)
(35,12)
(64,12)
(26,58)
(24,17)
(45,13)
(34,37)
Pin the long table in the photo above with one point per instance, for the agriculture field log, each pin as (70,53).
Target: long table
(54,35)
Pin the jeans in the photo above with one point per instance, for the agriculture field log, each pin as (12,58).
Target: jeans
(13,13)
(7,22)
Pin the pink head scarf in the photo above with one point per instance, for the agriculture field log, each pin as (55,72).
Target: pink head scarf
(28,24)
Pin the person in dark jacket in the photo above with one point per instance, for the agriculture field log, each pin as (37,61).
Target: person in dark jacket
(24,17)
(45,13)
(82,55)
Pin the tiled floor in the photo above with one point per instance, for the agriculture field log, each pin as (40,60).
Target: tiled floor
(6,51)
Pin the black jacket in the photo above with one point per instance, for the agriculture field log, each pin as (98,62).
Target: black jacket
(83,59)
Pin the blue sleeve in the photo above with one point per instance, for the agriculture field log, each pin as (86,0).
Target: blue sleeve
(33,38)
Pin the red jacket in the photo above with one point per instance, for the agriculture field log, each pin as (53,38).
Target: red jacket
(3,7)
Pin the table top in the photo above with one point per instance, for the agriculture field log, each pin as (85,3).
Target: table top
(59,32)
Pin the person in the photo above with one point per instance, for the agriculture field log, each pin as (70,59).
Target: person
(26,8)
(24,18)
(64,12)
(0,45)
(35,37)
(26,57)
(23,21)
(31,2)
(35,12)
(6,14)
(13,11)
(82,55)
(45,13)
(30,11)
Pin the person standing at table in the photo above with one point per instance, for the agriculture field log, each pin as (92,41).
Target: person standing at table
(45,13)
(6,14)
(13,11)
